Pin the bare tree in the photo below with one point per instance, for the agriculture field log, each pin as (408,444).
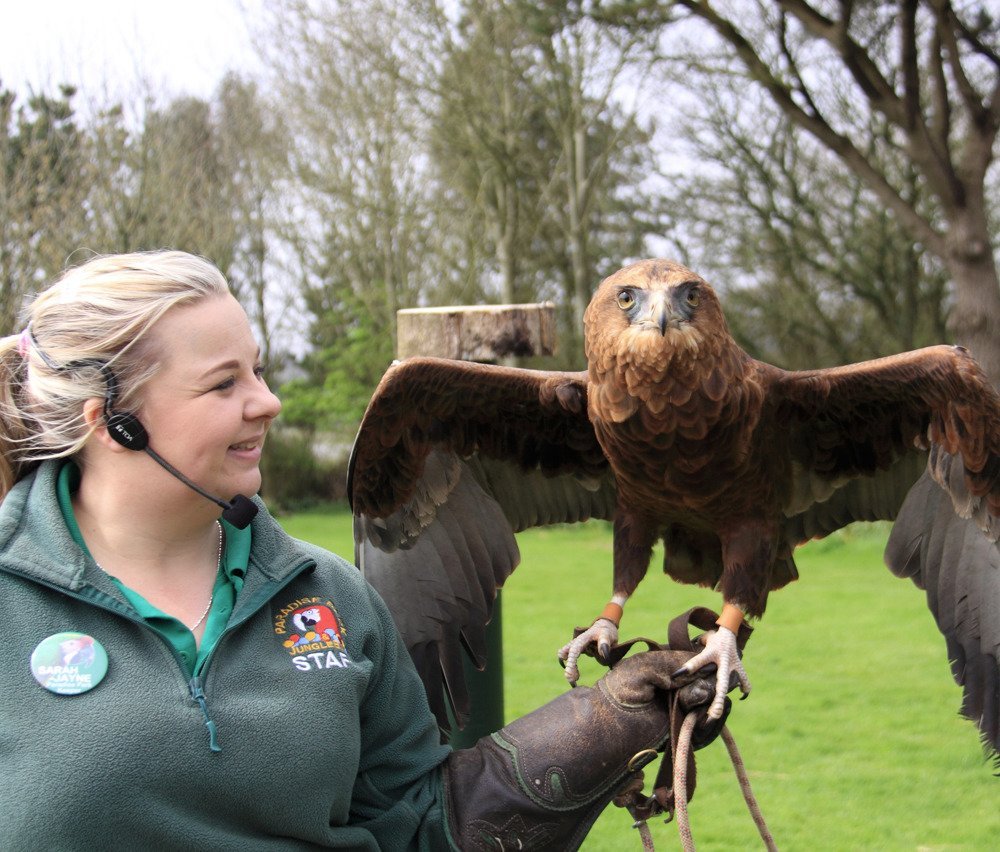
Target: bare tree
(774,217)
(930,70)
(362,215)
(253,150)
(44,174)
(485,136)
(584,66)
(161,181)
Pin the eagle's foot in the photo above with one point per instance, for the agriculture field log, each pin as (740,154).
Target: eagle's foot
(720,649)
(603,633)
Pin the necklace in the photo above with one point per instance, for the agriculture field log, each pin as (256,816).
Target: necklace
(194,626)
(211,597)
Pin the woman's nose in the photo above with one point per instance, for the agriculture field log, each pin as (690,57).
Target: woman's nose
(264,404)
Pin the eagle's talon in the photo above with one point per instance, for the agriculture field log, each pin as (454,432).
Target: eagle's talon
(603,633)
(720,649)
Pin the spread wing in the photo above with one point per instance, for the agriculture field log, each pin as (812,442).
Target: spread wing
(959,568)
(858,438)
(913,438)
(450,460)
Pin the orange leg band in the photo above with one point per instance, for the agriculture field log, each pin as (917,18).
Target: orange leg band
(612,612)
(731,618)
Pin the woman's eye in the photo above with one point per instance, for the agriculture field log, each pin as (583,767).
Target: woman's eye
(625,299)
(228,384)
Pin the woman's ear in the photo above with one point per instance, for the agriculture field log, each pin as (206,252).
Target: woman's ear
(93,415)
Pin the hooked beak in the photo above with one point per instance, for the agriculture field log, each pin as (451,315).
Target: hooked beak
(661,312)
(661,320)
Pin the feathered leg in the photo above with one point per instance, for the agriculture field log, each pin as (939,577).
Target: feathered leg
(633,548)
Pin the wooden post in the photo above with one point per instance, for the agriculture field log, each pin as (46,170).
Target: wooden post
(488,334)
(485,333)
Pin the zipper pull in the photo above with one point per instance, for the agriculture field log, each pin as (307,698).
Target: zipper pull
(198,695)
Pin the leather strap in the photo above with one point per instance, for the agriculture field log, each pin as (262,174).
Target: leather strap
(678,639)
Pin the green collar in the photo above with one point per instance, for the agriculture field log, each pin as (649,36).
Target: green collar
(228,584)
(235,553)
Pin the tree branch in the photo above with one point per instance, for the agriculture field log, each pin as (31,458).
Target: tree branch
(940,121)
(865,73)
(977,153)
(905,112)
(946,24)
(908,62)
(836,142)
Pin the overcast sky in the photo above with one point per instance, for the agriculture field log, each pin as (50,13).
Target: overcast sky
(184,46)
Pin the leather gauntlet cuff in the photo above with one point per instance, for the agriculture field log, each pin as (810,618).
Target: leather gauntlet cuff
(542,781)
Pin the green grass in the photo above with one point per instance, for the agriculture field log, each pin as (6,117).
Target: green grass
(851,735)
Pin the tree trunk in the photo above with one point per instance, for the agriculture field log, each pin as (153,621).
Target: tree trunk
(970,262)
(973,320)
(506,241)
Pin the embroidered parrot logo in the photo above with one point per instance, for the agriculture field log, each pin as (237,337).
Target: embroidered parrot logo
(315,624)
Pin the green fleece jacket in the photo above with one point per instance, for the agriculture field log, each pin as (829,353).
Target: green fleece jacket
(308,727)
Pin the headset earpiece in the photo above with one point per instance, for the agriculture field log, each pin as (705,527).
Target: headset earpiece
(126,429)
(123,426)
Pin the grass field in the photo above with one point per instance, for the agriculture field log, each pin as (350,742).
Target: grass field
(851,734)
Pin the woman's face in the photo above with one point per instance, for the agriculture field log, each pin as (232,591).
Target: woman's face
(208,407)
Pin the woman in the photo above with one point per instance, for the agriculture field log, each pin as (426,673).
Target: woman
(241,689)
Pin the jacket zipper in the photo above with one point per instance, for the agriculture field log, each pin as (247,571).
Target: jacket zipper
(198,694)
(196,685)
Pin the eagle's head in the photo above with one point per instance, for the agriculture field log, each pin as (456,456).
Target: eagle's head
(649,326)
(652,306)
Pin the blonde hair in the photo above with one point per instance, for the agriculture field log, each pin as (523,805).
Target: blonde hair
(101,312)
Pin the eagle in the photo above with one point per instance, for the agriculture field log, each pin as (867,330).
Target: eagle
(677,436)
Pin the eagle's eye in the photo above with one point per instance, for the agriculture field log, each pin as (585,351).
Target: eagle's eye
(692,298)
(625,299)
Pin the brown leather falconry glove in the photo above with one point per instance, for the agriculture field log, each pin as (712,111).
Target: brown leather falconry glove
(541,781)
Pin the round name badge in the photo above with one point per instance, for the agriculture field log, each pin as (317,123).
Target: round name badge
(69,663)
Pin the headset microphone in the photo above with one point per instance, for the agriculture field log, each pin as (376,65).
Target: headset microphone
(126,429)
(239,511)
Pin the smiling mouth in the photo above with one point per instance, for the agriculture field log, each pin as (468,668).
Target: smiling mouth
(247,445)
